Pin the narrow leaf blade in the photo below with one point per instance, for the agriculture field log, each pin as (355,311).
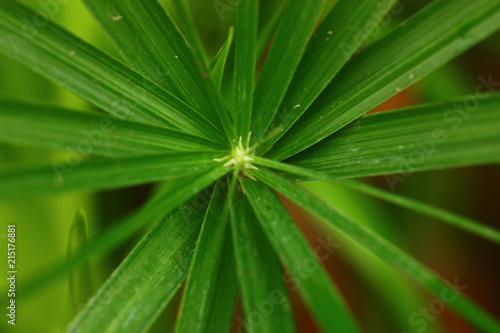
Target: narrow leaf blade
(45,126)
(456,220)
(259,272)
(151,211)
(317,289)
(433,136)
(426,41)
(338,37)
(211,288)
(297,24)
(453,219)
(65,59)
(245,60)
(102,174)
(165,253)
(80,280)
(219,63)
(382,249)
(151,42)
(192,34)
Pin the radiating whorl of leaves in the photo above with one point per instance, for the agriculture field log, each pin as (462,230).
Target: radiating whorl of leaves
(219,224)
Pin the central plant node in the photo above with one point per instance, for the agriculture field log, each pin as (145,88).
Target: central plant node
(241,156)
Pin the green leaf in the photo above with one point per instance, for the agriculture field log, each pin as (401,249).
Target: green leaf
(268,30)
(61,57)
(433,136)
(186,21)
(146,280)
(260,274)
(338,37)
(456,220)
(80,280)
(219,63)
(245,60)
(151,43)
(52,127)
(100,174)
(429,39)
(384,250)
(298,22)
(317,289)
(180,191)
(211,288)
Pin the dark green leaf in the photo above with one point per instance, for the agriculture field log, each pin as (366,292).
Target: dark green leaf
(429,39)
(211,288)
(100,174)
(434,136)
(219,63)
(151,42)
(456,220)
(245,60)
(153,210)
(260,274)
(186,21)
(341,33)
(317,289)
(60,56)
(53,127)
(268,30)
(298,22)
(384,250)
(146,280)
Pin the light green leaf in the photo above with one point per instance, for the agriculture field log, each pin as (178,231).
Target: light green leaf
(433,136)
(260,274)
(80,280)
(100,174)
(52,127)
(456,220)
(153,210)
(338,37)
(219,63)
(211,288)
(429,39)
(61,57)
(453,219)
(384,250)
(151,42)
(317,289)
(298,22)
(245,61)
(146,280)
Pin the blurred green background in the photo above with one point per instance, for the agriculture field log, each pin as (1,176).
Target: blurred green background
(382,300)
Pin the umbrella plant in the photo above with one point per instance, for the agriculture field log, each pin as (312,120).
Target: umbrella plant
(296,111)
